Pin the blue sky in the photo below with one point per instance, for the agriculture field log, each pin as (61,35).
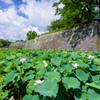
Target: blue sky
(17,17)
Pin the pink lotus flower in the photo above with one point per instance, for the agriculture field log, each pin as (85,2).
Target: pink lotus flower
(55,70)
(38,82)
(23,60)
(90,57)
(75,65)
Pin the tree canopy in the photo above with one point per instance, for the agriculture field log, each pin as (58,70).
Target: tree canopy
(74,13)
(31,35)
(4,42)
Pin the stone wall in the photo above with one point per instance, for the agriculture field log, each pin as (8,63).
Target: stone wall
(82,38)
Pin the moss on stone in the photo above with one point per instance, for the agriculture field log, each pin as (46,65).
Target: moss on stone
(98,43)
(72,41)
(80,40)
(77,48)
(87,49)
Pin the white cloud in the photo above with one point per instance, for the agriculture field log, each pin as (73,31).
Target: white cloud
(61,5)
(1,36)
(7,1)
(14,27)
(39,13)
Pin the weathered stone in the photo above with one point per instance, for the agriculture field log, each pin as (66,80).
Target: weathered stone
(82,38)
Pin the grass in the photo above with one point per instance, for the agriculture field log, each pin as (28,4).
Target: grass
(64,28)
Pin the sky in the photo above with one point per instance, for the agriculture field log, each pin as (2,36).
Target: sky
(17,17)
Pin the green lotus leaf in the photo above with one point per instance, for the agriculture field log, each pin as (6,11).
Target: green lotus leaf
(82,54)
(94,68)
(16,62)
(41,72)
(93,94)
(95,77)
(35,97)
(30,86)
(28,77)
(30,60)
(52,75)
(68,67)
(71,82)
(61,70)
(40,66)
(10,57)
(6,93)
(84,88)
(29,72)
(27,97)
(26,65)
(18,68)
(97,60)
(47,88)
(81,75)
(95,84)
(56,61)
(10,76)
(75,56)
(9,66)
(19,54)
(66,86)
(82,64)
(31,97)
(1,87)
(1,62)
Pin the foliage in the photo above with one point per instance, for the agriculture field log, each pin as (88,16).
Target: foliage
(74,13)
(56,25)
(31,35)
(97,12)
(1,45)
(5,42)
(49,74)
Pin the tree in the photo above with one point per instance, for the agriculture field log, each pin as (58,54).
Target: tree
(31,35)
(5,42)
(75,12)
(56,24)
(1,45)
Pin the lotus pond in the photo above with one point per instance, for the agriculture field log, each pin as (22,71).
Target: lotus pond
(27,74)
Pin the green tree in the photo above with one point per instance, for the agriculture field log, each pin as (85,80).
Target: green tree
(75,12)
(5,42)
(31,35)
(1,45)
(56,24)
